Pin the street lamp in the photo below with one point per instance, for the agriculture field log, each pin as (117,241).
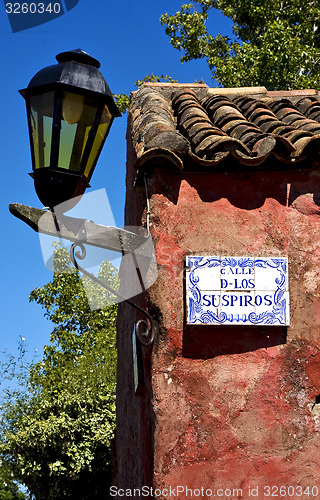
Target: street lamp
(70,110)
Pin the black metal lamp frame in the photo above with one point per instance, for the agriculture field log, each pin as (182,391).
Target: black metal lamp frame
(78,74)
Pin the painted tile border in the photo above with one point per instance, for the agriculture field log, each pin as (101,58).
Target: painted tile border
(237,290)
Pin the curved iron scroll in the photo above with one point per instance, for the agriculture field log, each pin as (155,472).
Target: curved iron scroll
(146,334)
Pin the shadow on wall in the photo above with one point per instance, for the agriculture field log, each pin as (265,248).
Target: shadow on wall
(206,342)
(246,190)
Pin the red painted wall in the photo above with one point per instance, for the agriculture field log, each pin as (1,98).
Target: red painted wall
(225,407)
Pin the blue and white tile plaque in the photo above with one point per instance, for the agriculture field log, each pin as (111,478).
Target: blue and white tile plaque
(237,290)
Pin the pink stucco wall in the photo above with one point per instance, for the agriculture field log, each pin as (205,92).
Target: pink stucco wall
(226,407)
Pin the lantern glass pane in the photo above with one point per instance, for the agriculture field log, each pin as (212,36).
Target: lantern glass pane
(41,118)
(101,135)
(78,113)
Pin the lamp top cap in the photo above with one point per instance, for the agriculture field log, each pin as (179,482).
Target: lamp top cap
(79,56)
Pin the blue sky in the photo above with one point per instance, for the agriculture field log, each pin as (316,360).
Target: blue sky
(129,41)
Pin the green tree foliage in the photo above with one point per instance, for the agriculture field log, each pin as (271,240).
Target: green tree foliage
(12,369)
(276,43)
(57,432)
(123,100)
(156,79)
(9,489)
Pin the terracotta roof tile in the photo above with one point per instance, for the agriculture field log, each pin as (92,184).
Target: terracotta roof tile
(192,126)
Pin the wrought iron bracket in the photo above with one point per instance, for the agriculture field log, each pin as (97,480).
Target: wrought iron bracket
(80,232)
(146,335)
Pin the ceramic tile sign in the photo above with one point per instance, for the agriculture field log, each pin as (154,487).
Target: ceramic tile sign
(237,290)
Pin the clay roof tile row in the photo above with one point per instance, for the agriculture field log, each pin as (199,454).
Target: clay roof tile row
(201,129)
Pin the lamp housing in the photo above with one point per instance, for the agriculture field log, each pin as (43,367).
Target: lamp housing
(70,110)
